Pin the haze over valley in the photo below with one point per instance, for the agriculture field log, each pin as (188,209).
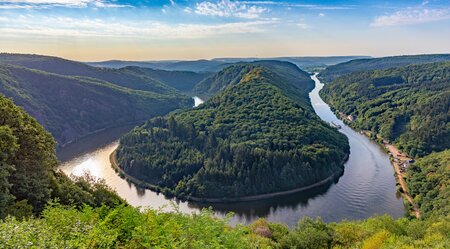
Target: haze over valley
(224,124)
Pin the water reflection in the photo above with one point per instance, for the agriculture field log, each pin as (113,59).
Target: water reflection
(367,186)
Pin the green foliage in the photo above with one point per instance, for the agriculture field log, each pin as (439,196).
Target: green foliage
(429,183)
(183,81)
(360,65)
(408,105)
(309,234)
(119,77)
(121,227)
(27,169)
(259,135)
(232,74)
(8,147)
(71,107)
(32,159)
(127,227)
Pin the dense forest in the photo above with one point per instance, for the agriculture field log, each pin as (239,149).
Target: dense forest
(258,135)
(361,65)
(232,74)
(183,81)
(42,208)
(408,106)
(71,107)
(429,183)
(28,179)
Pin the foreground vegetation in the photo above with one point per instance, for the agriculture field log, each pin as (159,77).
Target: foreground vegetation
(42,208)
(127,227)
(259,135)
(28,179)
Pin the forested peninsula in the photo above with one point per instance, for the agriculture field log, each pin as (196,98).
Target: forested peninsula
(258,135)
(42,208)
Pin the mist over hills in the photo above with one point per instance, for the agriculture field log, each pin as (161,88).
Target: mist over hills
(217,64)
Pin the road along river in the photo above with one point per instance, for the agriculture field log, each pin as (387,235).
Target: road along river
(367,186)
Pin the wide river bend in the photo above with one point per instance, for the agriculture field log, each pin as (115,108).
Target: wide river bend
(367,186)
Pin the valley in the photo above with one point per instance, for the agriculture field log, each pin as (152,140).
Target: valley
(368,165)
(255,139)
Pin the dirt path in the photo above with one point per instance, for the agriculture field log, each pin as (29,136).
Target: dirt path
(398,158)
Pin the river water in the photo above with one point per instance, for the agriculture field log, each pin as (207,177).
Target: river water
(367,186)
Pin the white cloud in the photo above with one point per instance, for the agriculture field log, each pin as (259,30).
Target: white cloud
(412,16)
(227,8)
(38,26)
(321,14)
(303,25)
(28,4)
(306,6)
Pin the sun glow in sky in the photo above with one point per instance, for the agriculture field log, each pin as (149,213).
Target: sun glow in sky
(91,30)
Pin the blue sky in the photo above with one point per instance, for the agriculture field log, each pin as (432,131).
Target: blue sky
(182,29)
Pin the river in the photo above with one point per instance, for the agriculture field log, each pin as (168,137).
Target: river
(367,186)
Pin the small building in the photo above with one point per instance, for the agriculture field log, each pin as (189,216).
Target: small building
(350,118)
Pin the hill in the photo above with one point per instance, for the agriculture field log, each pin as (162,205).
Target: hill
(183,81)
(234,73)
(88,214)
(193,66)
(258,135)
(71,107)
(217,64)
(28,179)
(360,65)
(406,105)
(121,77)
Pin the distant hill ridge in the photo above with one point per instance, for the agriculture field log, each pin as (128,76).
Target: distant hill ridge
(217,64)
(71,99)
(359,65)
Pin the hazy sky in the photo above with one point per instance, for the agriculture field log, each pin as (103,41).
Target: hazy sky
(92,30)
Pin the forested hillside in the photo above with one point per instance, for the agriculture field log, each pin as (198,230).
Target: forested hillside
(40,208)
(71,107)
(183,81)
(217,64)
(176,65)
(258,135)
(233,73)
(27,169)
(429,183)
(121,77)
(360,65)
(407,105)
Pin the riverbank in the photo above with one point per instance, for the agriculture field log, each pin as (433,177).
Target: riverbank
(397,159)
(259,197)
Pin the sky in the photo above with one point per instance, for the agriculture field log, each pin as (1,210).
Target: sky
(95,30)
